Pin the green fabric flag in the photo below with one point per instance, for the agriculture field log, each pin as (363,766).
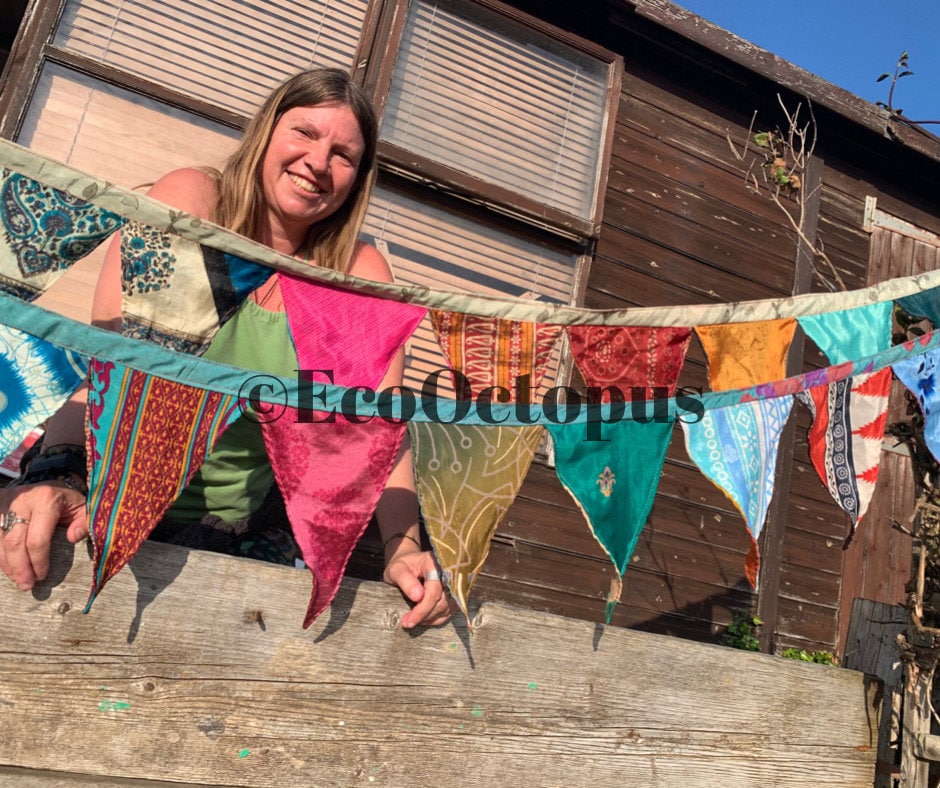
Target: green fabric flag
(614,482)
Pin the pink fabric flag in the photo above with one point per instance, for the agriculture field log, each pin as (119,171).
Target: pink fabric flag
(354,335)
(628,357)
(332,474)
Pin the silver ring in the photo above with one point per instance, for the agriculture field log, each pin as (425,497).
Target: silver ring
(9,519)
(433,575)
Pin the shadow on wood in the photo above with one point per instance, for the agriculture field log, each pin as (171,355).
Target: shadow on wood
(213,681)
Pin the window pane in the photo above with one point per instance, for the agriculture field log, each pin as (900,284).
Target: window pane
(229,53)
(427,245)
(490,98)
(116,134)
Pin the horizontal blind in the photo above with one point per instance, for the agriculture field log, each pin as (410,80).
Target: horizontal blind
(440,249)
(229,53)
(116,134)
(493,99)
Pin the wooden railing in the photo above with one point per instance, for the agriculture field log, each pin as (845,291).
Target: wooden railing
(193,668)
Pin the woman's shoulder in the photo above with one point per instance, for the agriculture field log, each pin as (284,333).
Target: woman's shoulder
(189,189)
(369,263)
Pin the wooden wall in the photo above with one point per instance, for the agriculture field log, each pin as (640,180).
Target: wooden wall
(681,227)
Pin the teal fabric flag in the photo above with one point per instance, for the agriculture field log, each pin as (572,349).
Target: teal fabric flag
(851,333)
(736,448)
(614,482)
(926,303)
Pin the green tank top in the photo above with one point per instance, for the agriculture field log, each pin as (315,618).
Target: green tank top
(236,476)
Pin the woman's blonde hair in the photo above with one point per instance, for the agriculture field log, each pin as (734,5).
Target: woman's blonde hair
(240,201)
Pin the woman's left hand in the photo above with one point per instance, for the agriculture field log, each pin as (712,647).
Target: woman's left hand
(417,575)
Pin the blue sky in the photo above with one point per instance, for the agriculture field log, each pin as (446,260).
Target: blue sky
(846,42)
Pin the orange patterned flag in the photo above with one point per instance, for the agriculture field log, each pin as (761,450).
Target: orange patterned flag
(745,354)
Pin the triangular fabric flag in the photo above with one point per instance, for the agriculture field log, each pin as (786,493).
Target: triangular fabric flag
(845,437)
(493,352)
(736,448)
(177,292)
(36,378)
(45,231)
(614,482)
(468,476)
(850,333)
(926,303)
(629,357)
(147,437)
(746,354)
(920,375)
(327,322)
(331,474)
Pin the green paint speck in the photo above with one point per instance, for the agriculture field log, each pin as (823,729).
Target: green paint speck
(113,705)
(244,753)
(477,711)
(452,646)
(533,685)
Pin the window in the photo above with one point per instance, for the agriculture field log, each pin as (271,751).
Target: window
(495,128)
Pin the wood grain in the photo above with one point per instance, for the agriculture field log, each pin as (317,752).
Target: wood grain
(192,667)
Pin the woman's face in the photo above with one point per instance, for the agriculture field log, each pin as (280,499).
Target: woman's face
(309,168)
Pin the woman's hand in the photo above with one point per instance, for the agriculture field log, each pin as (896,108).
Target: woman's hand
(31,514)
(417,575)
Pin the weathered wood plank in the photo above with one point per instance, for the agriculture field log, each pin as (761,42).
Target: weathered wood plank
(192,667)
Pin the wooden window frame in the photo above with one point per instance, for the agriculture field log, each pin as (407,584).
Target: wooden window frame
(383,46)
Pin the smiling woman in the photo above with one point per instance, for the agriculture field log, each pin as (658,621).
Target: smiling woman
(299,182)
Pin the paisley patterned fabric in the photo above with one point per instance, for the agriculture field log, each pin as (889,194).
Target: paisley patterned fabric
(45,230)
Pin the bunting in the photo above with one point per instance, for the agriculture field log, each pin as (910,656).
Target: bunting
(924,304)
(36,378)
(743,354)
(736,448)
(845,437)
(492,352)
(352,336)
(177,292)
(331,474)
(468,477)
(45,230)
(920,376)
(850,333)
(849,416)
(53,215)
(639,361)
(147,436)
(614,482)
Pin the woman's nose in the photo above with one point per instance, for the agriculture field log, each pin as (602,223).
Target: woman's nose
(317,158)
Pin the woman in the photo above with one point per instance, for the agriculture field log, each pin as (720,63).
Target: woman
(300,183)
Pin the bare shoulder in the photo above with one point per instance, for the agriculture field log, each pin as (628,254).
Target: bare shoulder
(188,189)
(368,263)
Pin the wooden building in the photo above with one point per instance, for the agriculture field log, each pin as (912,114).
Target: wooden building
(581,153)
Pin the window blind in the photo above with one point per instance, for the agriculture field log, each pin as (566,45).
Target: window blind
(114,133)
(229,53)
(493,99)
(433,247)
